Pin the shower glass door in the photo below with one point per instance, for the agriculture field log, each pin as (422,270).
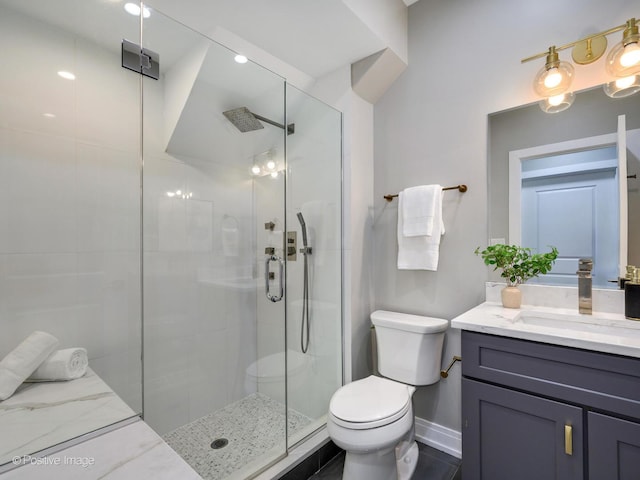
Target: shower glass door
(314,286)
(214,226)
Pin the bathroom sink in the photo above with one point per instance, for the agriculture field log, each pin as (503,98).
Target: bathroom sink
(603,331)
(575,323)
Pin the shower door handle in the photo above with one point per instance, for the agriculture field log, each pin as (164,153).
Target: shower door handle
(267,264)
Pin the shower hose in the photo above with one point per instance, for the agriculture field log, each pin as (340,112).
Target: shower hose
(304,338)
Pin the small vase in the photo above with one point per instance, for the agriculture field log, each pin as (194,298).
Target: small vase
(511,297)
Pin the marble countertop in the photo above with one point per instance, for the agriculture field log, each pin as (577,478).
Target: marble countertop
(601,331)
(134,451)
(40,415)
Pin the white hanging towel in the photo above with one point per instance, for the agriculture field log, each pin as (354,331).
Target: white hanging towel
(420,252)
(418,209)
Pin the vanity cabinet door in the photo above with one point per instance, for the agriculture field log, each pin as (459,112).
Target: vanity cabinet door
(508,435)
(614,448)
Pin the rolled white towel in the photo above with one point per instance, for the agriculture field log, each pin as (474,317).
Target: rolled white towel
(23,360)
(66,364)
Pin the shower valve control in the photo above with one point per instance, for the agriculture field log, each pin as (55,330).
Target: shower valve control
(269,226)
(269,251)
(291,245)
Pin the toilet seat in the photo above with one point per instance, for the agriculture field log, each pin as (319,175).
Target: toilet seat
(369,403)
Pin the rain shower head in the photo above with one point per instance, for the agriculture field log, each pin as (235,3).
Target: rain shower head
(247,121)
(243,119)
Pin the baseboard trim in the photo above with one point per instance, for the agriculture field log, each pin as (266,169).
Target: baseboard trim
(439,437)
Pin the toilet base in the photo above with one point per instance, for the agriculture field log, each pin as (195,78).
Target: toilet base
(383,464)
(407,464)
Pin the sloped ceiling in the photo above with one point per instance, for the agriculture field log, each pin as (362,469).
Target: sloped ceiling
(315,37)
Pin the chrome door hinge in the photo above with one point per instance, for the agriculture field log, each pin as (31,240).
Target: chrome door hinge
(141,60)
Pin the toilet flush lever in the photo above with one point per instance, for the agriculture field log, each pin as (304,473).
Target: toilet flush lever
(445,373)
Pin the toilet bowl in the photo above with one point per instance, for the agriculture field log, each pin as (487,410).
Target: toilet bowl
(368,419)
(372,419)
(266,375)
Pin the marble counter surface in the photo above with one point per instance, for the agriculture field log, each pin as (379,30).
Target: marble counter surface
(602,331)
(134,451)
(40,415)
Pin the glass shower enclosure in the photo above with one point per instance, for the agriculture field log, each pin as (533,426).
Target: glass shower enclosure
(184,225)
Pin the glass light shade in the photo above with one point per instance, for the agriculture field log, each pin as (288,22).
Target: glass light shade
(555,80)
(624,61)
(622,87)
(557,103)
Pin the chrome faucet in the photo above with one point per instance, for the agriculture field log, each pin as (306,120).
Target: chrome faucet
(585,265)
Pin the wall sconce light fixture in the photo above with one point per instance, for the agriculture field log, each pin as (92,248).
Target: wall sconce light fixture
(553,81)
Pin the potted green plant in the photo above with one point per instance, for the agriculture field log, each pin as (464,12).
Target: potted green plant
(518,264)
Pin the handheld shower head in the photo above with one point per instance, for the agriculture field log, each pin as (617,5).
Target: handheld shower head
(304,229)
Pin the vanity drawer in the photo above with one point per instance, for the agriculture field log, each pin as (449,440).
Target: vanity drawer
(593,379)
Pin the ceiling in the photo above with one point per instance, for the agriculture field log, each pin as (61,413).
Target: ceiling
(313,36)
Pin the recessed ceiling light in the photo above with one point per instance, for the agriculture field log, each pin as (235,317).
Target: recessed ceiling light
(49,115)
(67,75)
(240,59)
(134,9)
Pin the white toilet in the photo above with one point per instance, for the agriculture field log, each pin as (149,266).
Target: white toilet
(372,419)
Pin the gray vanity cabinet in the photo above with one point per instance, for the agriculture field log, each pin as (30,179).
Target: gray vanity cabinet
(512,435)
(614,448)
(537,411)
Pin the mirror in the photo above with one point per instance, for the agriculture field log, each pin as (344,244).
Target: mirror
(544,145)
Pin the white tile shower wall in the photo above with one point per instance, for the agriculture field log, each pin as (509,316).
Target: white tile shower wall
(69,261)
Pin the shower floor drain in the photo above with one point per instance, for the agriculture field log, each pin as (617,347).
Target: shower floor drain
(219,443)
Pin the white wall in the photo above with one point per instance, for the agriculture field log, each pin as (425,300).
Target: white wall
(431,127)
(69,234)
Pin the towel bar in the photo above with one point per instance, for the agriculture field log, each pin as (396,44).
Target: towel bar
(461,188)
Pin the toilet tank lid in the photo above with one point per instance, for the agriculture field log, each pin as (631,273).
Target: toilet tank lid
(408,322)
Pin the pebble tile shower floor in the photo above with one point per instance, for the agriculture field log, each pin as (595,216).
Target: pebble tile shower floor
(253,426)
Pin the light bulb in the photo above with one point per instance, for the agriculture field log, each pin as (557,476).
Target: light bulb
(255,169)
(271,164)
(274,174)
(553,78)
(556,100)
(625,82)
(171,194)
(557,103)
(631,55)
(178,192)
(623,87)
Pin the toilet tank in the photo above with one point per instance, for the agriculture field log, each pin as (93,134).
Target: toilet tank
(409,346)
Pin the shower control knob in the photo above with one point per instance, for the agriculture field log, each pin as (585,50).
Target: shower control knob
(291,250)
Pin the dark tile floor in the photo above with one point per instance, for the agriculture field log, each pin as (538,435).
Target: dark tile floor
(432,465)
